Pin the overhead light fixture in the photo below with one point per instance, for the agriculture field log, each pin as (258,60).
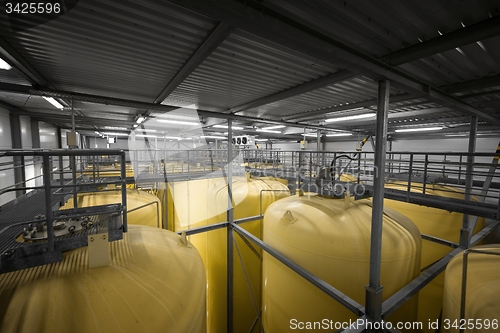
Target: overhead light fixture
(135,125)
(310,134)
(339,134)
(273,127)
(358,116)
(140,119)
(116,128)
(225,126)
(419,129)
(267,131)
(177,122)
(146,135)
(4,65)
(115,134)
(213,137)
(261,139)
(53,102)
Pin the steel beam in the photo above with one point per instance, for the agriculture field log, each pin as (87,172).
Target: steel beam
(467,35)
(374,289)
(449,41)
(161,108)
(372,102)
(481,83)
(215,38)
(292,34)
(230,236)
(297,90)
(23,66)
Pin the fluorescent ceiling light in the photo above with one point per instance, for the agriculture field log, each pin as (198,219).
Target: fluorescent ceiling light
(225,126)
(310,134)
(339,134)
(267,131)
(261,139)
(273,127)
(54,102)
(114,134)
(116,128)
(419,129)
(135,125)
(176,122)
(4,65)
(213,137)
(358,116)
(140,119)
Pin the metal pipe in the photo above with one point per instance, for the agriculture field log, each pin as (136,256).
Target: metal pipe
(374,289)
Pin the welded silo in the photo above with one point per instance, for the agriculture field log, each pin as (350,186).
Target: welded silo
(434,222)
(331,239)
(143,208)
(482,305)
(154,283)
(203,202)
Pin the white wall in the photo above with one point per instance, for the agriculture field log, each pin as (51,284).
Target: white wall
(6,176)
(48,136)
(483,145)
(27,144)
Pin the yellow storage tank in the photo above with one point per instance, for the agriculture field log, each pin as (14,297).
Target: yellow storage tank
(331,239)
(143,208)
(154,283)
(438,223)
(204,202)
(482,306)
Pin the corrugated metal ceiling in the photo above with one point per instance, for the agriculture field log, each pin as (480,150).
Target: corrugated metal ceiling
(241,70)
(113,48)
(133,49)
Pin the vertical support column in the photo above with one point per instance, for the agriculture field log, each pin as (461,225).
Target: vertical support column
(465,232)
(230,219)
(318,140)
(48,201)
(61,161)
(19,169)
(123,175)
(35,143)
(374,289)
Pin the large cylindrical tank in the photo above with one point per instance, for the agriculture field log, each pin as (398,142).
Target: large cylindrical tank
(154,283)
(482,306)
(434,222)
(331,239)
(203,202)
(143,208)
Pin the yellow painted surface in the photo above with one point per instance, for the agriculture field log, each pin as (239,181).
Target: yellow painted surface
(438,223)
(112,170)
(149,215)
(332,241)
(203,202)
(153,284)
(483,291)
